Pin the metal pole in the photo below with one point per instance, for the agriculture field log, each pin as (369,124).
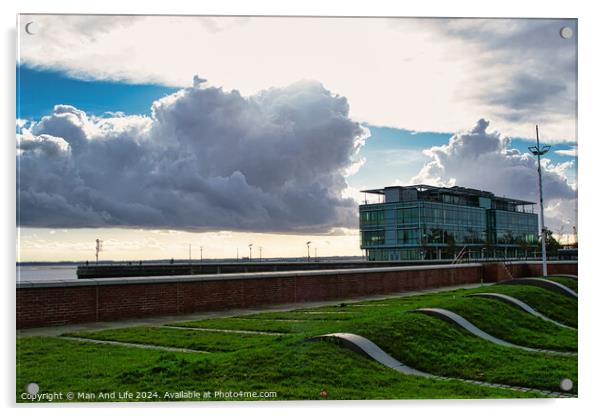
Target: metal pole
(538,151)
(201,254)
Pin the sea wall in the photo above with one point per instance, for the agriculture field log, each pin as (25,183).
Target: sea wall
(47,303)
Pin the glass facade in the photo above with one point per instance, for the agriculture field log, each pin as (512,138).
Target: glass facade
(438,225)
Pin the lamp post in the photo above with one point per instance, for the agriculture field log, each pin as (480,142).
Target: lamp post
(308,244)
(98,248)
(201,254)
(539,151)
(250,251)
(260,249)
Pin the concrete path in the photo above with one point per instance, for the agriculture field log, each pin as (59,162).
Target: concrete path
(327,312)
(133,344)
(369,349)
(548,284)
(232,331)
(521,305)
(199,316)
(362,305)
(464,323)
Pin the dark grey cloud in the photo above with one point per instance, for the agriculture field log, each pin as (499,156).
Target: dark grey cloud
(205,159)
(484,159)
(531,70)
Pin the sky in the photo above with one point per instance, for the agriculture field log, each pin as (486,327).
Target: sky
(157,134)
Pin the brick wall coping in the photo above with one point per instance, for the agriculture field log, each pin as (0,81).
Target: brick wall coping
(539,262)
(230,276)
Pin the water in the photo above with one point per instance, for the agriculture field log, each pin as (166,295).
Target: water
(37,273)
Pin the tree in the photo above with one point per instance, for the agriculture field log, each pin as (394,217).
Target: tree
(552,245)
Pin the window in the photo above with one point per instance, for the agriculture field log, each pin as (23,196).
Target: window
(373,238)
(408,237)
(407,215)
(372,217)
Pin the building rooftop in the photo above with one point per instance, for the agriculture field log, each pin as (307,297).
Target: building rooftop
(429,192)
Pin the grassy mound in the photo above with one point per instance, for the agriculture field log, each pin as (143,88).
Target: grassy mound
(295,370)
(513,325)
(567,281)
(554,305)
(432,345)
(298,369)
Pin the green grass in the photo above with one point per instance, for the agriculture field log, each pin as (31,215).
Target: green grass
(554,305)
(567,281)
(433,345)
(189,339)
(513,325)
(298,369)
(305,316)
(279,326)
(497,318)
(295,370)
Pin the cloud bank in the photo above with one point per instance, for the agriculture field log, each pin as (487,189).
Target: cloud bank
(205,159)
(483,159)
(424,74)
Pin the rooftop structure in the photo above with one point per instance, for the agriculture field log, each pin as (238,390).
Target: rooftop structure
(421,222)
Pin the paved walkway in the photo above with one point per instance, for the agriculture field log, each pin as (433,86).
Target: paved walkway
(167,319)
(134,345)
(230,331)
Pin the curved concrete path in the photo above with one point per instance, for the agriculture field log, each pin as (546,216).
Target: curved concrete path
(464,323)
(366,347)
(547,284)
(369,349)
(519,304)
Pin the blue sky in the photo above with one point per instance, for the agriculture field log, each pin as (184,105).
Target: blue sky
(38,91)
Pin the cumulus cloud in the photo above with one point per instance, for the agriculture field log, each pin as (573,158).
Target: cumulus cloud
(483,159)
(572,151)
(205,159)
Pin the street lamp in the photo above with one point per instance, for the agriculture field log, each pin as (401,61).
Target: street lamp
(539,151)
(201,254)
(260,249)
(250,251)
(308,243)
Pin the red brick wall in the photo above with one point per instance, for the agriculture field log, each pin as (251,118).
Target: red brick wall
(553,268)
(60,305)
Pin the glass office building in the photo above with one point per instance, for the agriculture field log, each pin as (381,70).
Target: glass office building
(424,222)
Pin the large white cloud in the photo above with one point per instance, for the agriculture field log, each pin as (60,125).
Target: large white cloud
(418,74)
(205,159)
(483,159)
